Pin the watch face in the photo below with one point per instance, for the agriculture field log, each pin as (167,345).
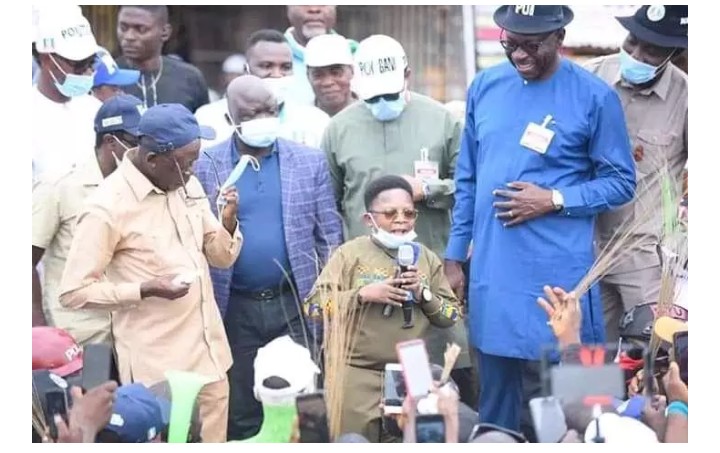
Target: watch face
(427,295)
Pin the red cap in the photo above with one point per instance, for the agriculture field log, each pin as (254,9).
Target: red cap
(55,350)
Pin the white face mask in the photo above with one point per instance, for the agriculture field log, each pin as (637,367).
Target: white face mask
(279,87)
(259,133)
(389,240)
(118,161)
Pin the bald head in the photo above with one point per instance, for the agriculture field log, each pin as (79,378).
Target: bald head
(249,98)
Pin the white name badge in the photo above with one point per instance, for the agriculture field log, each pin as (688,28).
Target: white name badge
(538,137)
(425,168)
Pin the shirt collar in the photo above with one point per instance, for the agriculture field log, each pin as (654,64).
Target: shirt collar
(139,184)
(661,87)
(235,156)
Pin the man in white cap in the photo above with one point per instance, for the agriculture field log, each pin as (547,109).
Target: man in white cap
(65,48)
(330,71)
(308,22)
(213,114)
(397,131)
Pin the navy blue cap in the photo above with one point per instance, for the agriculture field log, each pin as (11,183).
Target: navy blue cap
(171,126)
(138,415)
(107,72)
(119,113)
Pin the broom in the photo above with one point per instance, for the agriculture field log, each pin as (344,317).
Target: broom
(340,323)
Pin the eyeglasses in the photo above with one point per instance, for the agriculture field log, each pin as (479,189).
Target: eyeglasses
(530,47)
(392,214)
(79,66)
(387,97)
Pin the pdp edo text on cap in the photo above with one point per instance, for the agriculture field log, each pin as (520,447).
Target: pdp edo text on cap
(170,127)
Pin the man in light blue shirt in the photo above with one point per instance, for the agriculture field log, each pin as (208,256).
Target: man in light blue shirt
(545,149)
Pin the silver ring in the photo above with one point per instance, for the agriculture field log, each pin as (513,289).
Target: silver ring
(510,213)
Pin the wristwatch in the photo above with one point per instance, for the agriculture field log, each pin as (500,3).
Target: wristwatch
(557,200)
(427,295)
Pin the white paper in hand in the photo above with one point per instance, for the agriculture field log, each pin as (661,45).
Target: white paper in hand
(186,278)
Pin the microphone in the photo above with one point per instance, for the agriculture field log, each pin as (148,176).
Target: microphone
(405,258)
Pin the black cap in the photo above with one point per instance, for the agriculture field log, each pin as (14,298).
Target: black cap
(661,25)
(533,19)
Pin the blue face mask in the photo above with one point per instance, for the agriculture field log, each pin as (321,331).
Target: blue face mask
(636,72)
(387,110)
(74,85)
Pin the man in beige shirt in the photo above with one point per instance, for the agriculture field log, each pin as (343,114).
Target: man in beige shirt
(654,94)
(145,240)
(56,204)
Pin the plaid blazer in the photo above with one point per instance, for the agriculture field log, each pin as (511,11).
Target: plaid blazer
(313,227)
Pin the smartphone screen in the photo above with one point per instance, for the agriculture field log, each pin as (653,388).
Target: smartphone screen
(430,429)
(393,389)
(680,350)
(576,383)
(416,367)
(55,404)
(97,365)
(548,419)
(312,419)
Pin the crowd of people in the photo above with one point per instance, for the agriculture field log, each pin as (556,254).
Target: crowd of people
(208,266)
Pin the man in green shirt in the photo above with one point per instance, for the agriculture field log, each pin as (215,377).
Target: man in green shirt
(396,131)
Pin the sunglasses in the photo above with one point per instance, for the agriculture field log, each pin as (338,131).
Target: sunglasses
(386,97)
(530,47)
(392,214)
(79,66)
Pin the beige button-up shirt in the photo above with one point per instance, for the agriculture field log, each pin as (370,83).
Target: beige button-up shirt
(131,232)
(56,206)
(657,122)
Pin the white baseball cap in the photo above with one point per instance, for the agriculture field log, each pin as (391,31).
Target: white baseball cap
(283,358)
(327,50)
(68,35)
(380,67)
(234,64)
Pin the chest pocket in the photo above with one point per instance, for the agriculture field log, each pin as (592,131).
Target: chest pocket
(652,149)
(195,219)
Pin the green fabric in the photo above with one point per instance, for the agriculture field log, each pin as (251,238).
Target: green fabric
(277,424)
(360,148)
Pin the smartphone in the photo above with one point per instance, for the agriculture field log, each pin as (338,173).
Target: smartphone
(97,365)
(416,367)
(548,419)
(312,419)
(430,429)
(393,389)
(577,383)
(680,354)
(55,404)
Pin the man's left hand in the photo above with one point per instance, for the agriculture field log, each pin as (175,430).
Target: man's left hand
(417,187)
(526,202)
(229,212)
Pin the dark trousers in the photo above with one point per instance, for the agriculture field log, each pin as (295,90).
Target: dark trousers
(250,324)
(507,386)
